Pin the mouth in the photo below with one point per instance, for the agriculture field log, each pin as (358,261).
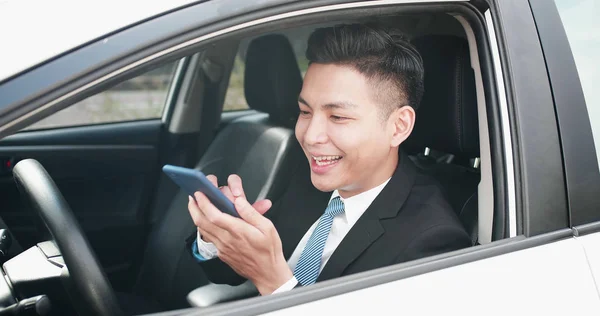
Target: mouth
(323,164)
(322,161)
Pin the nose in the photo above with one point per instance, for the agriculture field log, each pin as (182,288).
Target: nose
(316,132)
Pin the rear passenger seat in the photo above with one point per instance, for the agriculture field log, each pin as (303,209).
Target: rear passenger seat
(447,122)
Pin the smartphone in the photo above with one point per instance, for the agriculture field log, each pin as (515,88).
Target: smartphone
(192,180)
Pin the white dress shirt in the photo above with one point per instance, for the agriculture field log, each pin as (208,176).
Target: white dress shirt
(354,207)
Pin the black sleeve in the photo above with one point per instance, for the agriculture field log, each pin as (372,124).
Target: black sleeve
(435,240)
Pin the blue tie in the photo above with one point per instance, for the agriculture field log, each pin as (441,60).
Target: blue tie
(309,264)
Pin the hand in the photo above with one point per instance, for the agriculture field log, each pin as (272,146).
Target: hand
(235,184)
(251,245)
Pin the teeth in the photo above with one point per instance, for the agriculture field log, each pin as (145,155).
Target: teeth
(326,160)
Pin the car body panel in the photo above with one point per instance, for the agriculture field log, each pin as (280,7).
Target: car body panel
(526,282)
(591,243)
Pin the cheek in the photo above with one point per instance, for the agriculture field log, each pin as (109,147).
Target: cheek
(300,129)
(361,143)
(350,139)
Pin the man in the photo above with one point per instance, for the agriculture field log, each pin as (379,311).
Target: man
(362,205)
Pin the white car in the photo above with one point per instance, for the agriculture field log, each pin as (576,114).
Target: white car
(96,97)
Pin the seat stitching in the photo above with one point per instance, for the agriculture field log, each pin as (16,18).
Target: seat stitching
(458,99)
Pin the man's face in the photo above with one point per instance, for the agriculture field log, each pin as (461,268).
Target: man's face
(340,128)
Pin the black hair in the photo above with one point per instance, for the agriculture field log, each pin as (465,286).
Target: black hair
(376,51)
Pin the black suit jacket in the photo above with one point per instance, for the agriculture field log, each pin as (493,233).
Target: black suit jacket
(409,219)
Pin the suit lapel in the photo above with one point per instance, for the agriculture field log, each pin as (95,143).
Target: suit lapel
(368,228)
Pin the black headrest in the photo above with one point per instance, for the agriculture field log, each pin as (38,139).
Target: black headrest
(447,117)
(272,79)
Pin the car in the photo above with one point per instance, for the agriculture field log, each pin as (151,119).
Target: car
(96,97)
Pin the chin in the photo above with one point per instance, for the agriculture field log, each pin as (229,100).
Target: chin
(323,184)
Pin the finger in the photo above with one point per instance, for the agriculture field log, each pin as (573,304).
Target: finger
(227,192)
(200,220)
(250,215)
(262,206)
(214,215)
(213,179)
(195,212)
(235,183)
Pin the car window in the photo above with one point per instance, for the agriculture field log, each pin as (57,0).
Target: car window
(580,20)
(234,97)
(139,98)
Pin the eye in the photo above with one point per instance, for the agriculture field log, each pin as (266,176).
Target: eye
(304,113)
(338,118)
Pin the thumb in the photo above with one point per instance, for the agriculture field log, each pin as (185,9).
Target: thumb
(262,206)
(249,214)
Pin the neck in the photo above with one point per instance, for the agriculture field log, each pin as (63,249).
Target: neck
(372,179)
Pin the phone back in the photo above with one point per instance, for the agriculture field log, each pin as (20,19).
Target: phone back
(192,180)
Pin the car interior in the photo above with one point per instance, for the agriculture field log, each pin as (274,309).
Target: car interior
(136,219)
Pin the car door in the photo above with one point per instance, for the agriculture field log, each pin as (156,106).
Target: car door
(539,263)
(103,153)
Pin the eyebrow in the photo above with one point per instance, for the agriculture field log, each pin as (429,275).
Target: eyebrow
(300,100)
(334,105)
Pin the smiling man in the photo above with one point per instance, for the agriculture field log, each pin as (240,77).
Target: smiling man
(360,204)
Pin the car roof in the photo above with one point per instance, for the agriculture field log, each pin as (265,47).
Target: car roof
(33,31)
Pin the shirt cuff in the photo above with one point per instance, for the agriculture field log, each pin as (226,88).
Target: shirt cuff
(287,286)
(203,250)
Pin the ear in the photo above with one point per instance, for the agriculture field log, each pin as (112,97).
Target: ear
(403,122)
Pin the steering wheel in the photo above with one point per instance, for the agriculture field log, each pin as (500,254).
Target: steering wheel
(90,284)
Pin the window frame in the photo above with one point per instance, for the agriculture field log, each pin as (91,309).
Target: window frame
(539,174)
(578,150)
(174,88)
(173,84)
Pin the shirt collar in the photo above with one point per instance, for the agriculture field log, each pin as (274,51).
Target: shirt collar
(356,205)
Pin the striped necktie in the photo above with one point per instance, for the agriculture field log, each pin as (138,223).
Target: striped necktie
(309,264)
